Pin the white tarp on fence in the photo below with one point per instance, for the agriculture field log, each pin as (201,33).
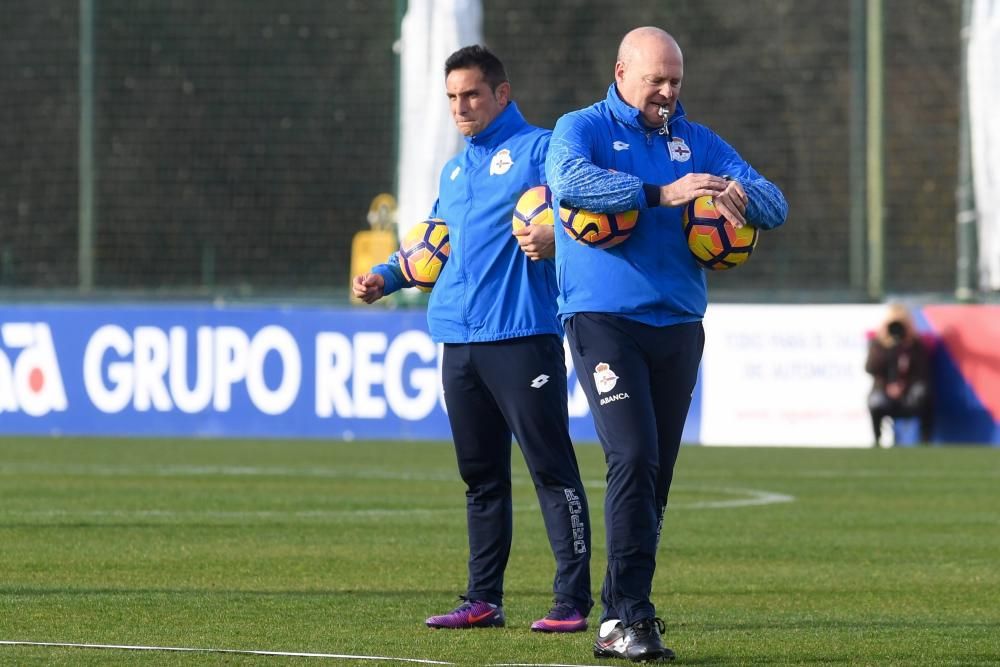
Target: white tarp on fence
(432,30)
(984,128)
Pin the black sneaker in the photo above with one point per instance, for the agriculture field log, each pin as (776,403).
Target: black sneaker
(611,641)
(642,641)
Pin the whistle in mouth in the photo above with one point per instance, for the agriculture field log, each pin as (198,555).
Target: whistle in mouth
(665,115)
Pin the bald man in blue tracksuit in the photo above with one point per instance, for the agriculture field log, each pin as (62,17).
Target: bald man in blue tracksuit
(633,312)
(503,370)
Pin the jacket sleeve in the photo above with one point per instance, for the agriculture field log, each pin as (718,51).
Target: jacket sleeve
(576,181)
(766,207)
(876,362)
(538,155)
(392,274)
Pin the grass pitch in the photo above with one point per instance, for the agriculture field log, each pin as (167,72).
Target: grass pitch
(769,556)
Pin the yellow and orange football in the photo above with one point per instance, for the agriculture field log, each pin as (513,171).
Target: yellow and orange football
(598,230)
(534,208)
(714,242)
(423,252)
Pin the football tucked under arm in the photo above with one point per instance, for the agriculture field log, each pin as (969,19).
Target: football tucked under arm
(577,182)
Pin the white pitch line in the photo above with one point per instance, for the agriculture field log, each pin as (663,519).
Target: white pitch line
(753,497)
(181,649)
(292,654)
(219,471)
(756,497)
(750,498)
(222,515)
(875,473)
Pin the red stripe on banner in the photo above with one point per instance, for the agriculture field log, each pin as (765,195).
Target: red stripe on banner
(971,335)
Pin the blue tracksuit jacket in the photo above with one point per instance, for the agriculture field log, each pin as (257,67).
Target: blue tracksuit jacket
(599,159)
(489,290)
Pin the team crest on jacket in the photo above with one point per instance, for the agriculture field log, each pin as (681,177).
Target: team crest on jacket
(604,378)
(501,163)
(679,151)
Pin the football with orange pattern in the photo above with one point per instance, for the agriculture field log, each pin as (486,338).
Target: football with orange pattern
(597,230)
(534,208)
(423,252)
(714,242)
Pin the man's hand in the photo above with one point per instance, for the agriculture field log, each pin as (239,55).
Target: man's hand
(732,204)
(537,241)
(691,186)
(369,287)
(730,198)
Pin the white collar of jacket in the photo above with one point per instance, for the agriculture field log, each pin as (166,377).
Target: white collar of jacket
(503,127)
(629,115)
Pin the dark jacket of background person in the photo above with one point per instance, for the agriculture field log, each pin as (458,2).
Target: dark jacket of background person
(899,363)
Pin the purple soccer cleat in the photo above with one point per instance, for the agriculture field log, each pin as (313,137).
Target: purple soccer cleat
(469,614)
(563,617)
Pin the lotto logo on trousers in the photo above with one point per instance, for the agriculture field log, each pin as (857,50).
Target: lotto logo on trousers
(575,510)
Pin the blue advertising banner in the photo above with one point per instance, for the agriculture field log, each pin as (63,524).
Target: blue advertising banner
(229,371)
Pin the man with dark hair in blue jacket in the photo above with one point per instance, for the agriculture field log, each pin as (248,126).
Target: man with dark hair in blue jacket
(633,312)
(494,308)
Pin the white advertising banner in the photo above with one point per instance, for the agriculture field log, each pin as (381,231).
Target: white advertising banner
(787,375)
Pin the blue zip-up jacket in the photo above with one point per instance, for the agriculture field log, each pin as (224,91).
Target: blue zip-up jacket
(489,289)
(603,158)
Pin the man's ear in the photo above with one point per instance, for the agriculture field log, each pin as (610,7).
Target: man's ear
(503,93)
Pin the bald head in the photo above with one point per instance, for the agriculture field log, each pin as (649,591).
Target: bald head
(645,39)
(649,72)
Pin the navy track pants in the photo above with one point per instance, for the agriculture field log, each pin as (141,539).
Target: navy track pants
(638,380)
(517,386)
